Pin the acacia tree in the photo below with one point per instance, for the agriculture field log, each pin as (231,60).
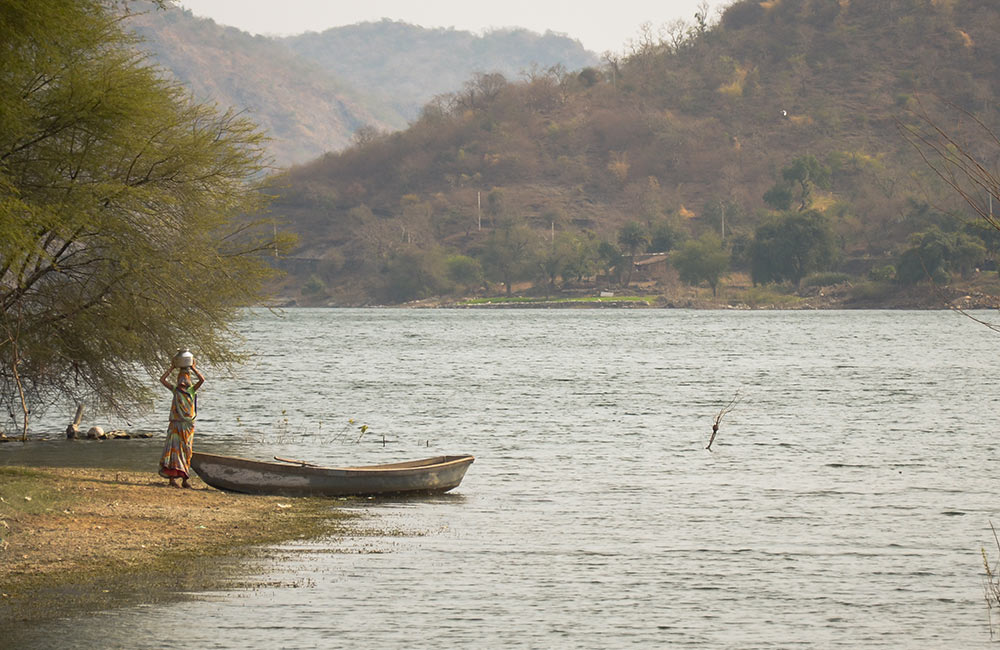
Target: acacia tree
(123,232)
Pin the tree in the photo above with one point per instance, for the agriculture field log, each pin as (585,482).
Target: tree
(927,257)
(664,237)
(791,246)
(122,203)
(582,256)
(797,182)
(936,254)
(413,273)
(611,259)
(553,259)
(702,260)
(464,271)
(632,237)
(507,253)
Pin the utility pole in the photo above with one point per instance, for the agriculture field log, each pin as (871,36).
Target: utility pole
(722,204)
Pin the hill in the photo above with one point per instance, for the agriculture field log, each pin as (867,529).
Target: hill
(313,92)
(408,65)
(557,178)
(305,109)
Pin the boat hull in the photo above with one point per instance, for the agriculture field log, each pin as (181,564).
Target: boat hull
(429,475)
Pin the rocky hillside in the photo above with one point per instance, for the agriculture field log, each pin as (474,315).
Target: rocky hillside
(783,107)
(305,109)
(313,92)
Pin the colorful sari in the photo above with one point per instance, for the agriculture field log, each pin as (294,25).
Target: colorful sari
(176,459)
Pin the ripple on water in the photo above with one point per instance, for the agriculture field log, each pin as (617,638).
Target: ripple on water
(843,505)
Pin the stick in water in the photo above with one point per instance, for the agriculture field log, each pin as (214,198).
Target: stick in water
(718,418)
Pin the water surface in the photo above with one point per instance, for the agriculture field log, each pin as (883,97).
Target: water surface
(844,505)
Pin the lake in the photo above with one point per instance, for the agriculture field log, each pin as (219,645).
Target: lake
(844,504)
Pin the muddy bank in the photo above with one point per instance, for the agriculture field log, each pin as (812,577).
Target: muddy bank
(77,540)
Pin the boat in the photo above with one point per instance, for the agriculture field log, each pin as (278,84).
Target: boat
(299,478)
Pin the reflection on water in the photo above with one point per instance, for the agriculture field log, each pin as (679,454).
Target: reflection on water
(844,503)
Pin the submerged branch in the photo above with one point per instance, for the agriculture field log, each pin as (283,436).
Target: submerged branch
(728,408)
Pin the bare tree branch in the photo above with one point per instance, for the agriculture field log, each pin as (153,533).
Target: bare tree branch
(728,408)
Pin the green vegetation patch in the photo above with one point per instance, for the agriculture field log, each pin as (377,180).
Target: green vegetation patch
(25,491)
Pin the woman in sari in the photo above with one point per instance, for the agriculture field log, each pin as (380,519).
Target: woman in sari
(176,459)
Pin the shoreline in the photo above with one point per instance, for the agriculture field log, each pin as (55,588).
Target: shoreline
(78,540)
(980,293)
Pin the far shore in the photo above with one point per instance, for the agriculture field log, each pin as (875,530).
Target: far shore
(79,540)
(845,297)
(979,291)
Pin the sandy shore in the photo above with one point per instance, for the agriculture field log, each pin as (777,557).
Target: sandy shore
(78,539)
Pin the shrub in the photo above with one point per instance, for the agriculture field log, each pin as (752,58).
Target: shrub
(886,273)
(872,291)
(314,285)
(825,279)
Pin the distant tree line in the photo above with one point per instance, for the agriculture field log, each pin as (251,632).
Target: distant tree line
(792,242)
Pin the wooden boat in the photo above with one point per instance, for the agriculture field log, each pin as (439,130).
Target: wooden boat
(298,478)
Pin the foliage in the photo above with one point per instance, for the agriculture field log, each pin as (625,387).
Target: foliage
(507,254)
(702,260)
(741,251)
(884,273)
(873,290)
(632,237)
(121,236)
(664,237)
(798,180)
(723,216)
(935,255)
(790,246)
(567,256)
(464,271)
(413,273)
(825,279)
(580,255)
(314,285)
(611,259)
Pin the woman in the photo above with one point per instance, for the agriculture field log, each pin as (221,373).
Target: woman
(176,460)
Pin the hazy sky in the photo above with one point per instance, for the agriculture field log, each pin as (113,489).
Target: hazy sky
(600,26)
